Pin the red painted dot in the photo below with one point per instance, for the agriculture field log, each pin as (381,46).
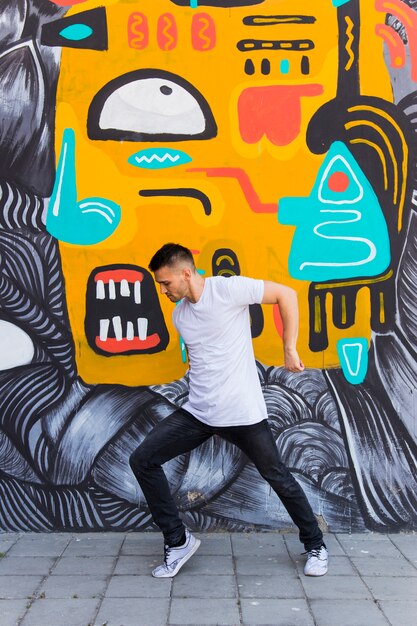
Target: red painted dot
(338,181)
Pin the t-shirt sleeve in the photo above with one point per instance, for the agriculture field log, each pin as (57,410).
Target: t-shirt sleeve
(243,290)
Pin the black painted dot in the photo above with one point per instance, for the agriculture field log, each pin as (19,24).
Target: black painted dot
(249,67)
(167,91)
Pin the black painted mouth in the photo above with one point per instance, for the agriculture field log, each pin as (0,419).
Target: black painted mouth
(123,314)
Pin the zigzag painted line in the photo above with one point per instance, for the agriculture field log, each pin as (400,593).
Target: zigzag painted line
(350,39)
(155,157)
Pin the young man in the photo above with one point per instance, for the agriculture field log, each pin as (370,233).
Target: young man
(225,398)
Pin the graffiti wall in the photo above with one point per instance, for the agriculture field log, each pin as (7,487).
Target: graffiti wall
(275,139)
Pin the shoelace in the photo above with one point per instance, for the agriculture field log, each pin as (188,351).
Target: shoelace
(167,551)
(311,553)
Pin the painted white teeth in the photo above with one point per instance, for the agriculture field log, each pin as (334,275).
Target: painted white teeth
(100,294)
(104,329)
(130,332)
(112,290)
(117,327)
(124,288)
(137,292)
(142,328)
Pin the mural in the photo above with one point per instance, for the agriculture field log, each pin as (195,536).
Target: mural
(274,138)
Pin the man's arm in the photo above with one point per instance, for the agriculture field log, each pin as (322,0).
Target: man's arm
(286,298)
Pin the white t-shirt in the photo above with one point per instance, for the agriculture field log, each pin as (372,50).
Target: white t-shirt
(224,382)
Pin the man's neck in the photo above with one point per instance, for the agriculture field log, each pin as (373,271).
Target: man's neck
(196,288)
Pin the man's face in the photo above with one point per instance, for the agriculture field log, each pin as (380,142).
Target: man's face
(173,281)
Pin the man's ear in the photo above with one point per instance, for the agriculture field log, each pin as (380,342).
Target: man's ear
(186,272)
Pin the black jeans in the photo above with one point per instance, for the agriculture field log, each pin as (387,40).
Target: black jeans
(180,433)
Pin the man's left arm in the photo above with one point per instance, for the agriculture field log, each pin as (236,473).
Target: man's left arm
(286,298)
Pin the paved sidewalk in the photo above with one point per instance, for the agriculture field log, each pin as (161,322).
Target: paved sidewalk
(235,579)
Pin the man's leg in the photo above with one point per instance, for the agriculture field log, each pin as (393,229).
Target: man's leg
(257,442)
(175,435)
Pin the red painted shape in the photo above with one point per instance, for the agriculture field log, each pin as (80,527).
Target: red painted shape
(277,319)
(395,44)
(338,182)
(137,31)
(203,32)
(274,111)
(408,17)
(118,275)
(167,32)
(245,183)
(126,345)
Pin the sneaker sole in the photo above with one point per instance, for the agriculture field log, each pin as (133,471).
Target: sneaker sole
(183,562)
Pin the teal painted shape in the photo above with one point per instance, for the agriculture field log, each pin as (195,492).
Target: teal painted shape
(83,222)
(284,66)
(76,32)
(158,158)
(193,4)
(353,358)
(338,3)
(339,234)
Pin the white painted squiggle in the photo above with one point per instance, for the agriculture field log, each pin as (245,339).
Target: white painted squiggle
(155,157)
(367,242)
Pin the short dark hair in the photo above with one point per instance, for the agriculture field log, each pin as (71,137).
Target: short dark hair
(170,254)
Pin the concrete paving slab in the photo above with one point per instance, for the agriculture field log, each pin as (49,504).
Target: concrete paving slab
(214,544)
(407,544)
(137,565)
(46,546)
(400,613)
(338,566)
(94,547)
(380,566)
(26,565)
(204,586)
(267,612)
(211,565)
(344,613)
(73,587)
(296,548)
(14,587)
(132,612)
(12,611)
(247,544)
(374,548)
(60,613)
(335,587)
(6,544)
(347,537)
(204,612)
(79,565)
(392,588)
(260,565)
(138,587)
(269,587)
(133,546)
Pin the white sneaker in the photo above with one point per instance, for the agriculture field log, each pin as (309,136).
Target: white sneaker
(317,562)
(175,558)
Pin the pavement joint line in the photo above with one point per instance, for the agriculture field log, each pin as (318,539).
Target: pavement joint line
(375,601)
(238,599)
(310,610)
(107,579)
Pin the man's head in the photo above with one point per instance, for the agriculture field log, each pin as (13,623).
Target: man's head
(174,270)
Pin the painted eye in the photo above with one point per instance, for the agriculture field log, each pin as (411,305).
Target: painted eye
(86,30)
(150,105)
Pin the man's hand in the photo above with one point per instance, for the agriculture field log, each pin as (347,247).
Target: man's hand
(292,361)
